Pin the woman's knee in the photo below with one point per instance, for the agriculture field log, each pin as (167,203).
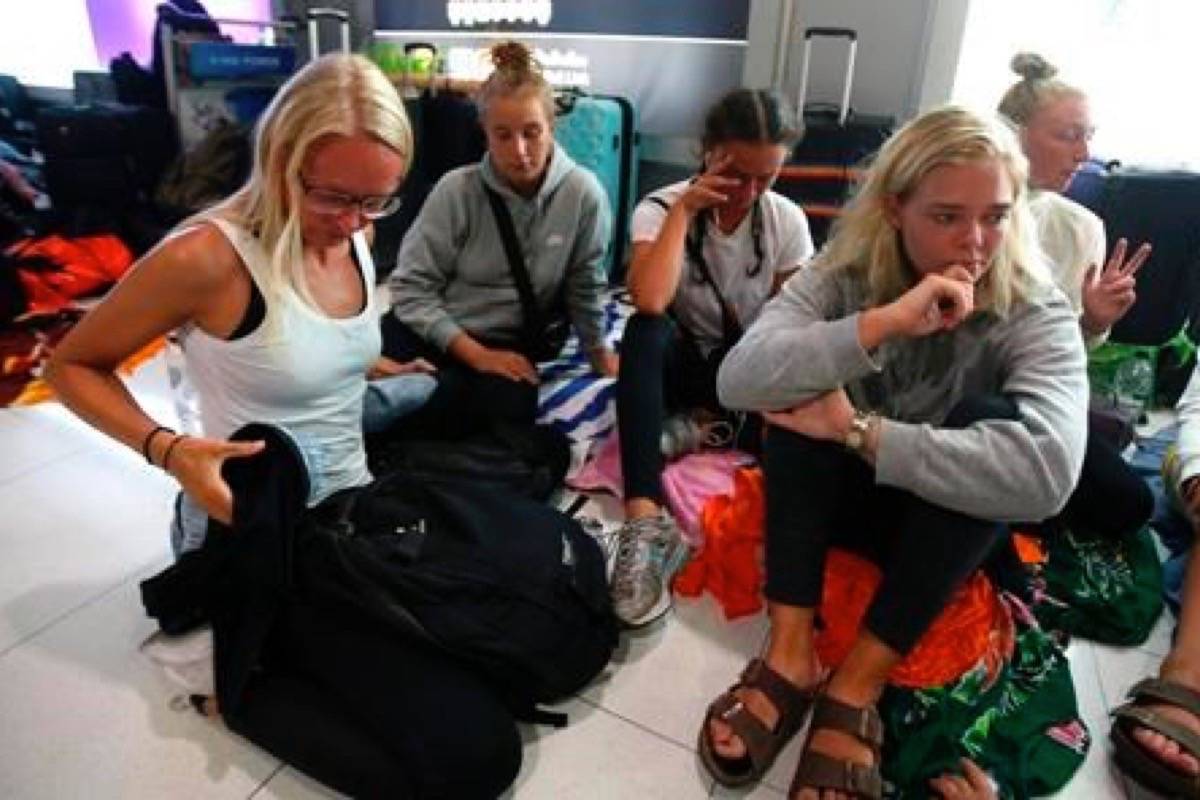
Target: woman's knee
(646,335)
(784,450)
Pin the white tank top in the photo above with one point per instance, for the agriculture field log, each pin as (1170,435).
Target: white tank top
(299,370)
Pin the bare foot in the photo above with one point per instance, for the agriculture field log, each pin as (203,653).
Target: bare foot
(206,705)
(1163,748)
(725,742)
(973,784)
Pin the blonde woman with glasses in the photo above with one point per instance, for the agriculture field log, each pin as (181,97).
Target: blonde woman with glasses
(271,290)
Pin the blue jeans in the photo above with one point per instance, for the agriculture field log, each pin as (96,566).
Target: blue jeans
(385,401)
(388,399)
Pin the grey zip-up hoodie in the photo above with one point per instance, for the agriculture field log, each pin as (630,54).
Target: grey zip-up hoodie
(806,342)
(452,275)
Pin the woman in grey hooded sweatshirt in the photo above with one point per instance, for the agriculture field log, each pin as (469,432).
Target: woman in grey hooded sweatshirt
(455,301)
(924,382)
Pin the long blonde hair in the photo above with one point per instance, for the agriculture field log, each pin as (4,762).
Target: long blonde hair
(866,242)
(1037,87)
(337,94)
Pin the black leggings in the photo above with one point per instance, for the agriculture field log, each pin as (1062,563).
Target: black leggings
(465,401)
(661,372)
(1110,501)
(372,716)
(821,495)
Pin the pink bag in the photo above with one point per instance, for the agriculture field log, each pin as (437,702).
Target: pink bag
(688,483)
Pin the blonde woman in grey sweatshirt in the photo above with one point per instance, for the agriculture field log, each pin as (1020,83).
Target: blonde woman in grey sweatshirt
(925,382)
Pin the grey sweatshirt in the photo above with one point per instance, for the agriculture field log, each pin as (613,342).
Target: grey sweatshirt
(806,342)
(452,274)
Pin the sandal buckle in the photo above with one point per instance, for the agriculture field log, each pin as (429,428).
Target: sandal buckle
(731,712)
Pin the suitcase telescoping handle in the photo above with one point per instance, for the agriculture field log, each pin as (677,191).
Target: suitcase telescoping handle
(851,38)
(315,16)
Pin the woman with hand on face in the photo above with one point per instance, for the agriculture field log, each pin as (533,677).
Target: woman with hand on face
(707,253)
(271,291)
(455,300)
(1054,126)
(924,382)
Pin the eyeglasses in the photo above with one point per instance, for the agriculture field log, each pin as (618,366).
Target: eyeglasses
(326,201)
(1074,134)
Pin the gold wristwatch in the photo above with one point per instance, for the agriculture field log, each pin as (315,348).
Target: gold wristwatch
(856,437)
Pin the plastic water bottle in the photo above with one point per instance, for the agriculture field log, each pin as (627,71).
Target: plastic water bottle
(1133,383)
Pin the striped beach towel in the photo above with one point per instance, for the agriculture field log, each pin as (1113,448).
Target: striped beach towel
(572,397)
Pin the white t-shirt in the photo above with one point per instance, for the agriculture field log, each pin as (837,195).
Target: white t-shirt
(1072,238)
(786,245)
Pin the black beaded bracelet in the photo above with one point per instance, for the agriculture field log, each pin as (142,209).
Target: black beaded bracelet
(166,462)
(149,437)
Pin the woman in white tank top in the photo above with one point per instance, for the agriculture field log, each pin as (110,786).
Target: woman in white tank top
(271,291)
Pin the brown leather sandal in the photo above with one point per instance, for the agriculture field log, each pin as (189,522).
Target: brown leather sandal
(819,771)
(762,743)
(1139,763)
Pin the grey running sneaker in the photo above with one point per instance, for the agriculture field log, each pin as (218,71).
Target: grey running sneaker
(649,552)
(607,539)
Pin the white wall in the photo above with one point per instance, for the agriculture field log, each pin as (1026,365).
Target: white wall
(907,51)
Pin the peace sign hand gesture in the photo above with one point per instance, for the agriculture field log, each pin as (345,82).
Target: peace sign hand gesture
(1107,296)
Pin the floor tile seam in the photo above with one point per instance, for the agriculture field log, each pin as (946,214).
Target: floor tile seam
(689,747)
(61,617)
(279,767)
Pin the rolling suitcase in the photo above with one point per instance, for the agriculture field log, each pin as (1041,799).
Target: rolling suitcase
(447,135)
(600,132)
(318,15)
(827,161)
(1161,207)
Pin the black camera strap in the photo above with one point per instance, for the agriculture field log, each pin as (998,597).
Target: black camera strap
(731,326)
(535,322)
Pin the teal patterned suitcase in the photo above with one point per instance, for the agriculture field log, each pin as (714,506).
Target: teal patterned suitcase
(600,132)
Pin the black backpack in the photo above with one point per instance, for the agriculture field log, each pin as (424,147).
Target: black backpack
(530,460)
(509,585)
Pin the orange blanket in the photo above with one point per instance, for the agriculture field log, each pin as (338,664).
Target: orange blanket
(973,627)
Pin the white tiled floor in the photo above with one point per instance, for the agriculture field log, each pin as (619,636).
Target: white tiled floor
(82,714)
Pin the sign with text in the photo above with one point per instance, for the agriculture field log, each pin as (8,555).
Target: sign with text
(691,19)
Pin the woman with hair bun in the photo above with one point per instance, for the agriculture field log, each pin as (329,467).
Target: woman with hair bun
(1054,125)
(707,253)
(454,299)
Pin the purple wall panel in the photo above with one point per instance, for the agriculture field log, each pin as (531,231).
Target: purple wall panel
(127,25)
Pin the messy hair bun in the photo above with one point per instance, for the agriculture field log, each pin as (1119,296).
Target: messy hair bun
(514,70)
(1032,67)
(512,57)
(1036,87)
